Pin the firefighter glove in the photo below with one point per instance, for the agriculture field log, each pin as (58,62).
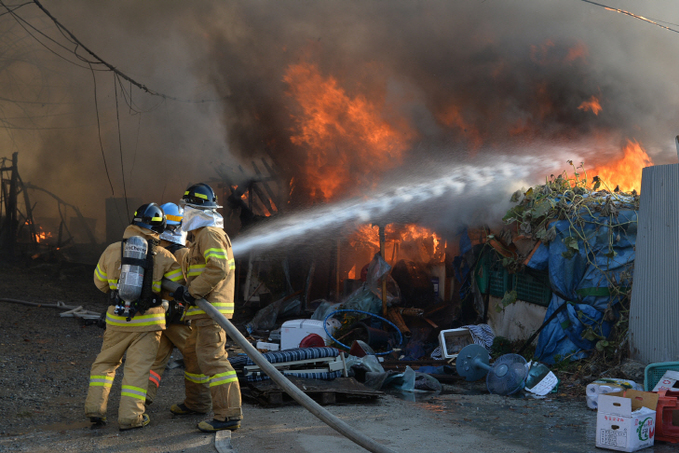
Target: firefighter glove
(182,294)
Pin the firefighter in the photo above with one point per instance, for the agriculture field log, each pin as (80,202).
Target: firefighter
(176,330)
(210,274)
(132,326)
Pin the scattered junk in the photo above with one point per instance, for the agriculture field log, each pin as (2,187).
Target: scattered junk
(294,331)
(506,376)
(656,372)
(540,380)
(667,417)
(608,385)
(631,417)
(626,421)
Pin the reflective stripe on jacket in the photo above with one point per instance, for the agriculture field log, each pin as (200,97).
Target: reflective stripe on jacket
(210,271)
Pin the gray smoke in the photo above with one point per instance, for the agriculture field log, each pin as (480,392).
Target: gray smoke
(471,79)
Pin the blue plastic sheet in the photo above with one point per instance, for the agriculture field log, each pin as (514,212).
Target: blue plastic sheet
(575,280)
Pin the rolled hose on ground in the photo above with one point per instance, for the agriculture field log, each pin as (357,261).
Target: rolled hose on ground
(302,398)
(325,326)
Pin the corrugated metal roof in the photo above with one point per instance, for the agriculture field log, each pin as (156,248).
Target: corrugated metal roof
(654,307)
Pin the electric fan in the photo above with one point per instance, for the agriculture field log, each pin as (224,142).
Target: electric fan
(507,375)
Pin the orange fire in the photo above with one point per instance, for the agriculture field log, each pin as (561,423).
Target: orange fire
(592,105)
(625,172)
(402,241)
(452,117)
(347,141)
(40,234)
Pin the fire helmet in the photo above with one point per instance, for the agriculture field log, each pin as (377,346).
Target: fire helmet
(173,230)
(173,213)
(151,217)
(200,196)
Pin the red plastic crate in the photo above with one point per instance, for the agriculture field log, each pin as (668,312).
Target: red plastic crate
(667,417)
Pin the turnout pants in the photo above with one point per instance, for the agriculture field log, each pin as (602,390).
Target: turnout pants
(173,335)
(208,374)
(141,348)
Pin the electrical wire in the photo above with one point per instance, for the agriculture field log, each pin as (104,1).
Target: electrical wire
(120,143)
(101,143)
(634,16)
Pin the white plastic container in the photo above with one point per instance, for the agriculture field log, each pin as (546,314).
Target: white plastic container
(604,386)
(294,331)
(452,341)
(264,346)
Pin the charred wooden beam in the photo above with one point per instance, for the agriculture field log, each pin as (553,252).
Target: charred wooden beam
(271,194)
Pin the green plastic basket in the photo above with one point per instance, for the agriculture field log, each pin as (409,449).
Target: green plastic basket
(655,371)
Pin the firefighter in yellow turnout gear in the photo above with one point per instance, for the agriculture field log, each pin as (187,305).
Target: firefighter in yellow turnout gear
(173,239)
(210,274)
(134,333)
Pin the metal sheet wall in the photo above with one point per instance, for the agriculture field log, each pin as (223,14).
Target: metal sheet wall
(654,310)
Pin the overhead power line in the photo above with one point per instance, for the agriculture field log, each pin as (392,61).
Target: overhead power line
(98,60)
(635,16)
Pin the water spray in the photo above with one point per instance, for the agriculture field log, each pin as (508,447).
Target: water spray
(463,184)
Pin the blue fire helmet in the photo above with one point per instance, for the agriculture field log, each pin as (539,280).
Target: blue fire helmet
(173,213)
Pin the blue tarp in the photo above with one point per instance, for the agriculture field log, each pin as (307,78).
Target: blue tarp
(578,281)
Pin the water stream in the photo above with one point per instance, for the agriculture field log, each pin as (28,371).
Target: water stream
(459,189)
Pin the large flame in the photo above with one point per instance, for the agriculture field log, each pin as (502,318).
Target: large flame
(625,172)
(347,141)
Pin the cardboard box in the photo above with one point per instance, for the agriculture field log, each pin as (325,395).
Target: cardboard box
(668,382)
(626,420)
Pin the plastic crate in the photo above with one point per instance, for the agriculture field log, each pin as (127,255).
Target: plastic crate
(500,282)
(667,417)
(530,289)
(655,371)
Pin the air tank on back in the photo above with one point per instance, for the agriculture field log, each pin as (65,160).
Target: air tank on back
(132,273)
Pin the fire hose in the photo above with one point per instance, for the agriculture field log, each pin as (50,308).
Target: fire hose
(302,398)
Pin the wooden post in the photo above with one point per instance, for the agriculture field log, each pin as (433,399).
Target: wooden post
(11,213)
(307,286)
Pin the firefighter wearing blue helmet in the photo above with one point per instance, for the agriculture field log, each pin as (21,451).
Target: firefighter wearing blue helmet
(177,330)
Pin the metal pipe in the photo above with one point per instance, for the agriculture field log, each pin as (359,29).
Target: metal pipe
(302,398)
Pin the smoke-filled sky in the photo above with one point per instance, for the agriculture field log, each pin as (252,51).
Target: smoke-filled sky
(340,94)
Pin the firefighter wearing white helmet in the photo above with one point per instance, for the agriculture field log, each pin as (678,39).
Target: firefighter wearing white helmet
(131,271)
(210,274)
(172,239)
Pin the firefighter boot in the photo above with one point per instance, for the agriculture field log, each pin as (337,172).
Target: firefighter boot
(98,422)
(145,420)
(216,425)
(181,409)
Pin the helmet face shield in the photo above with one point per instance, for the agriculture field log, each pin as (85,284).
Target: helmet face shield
(175,236)
(195,218)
